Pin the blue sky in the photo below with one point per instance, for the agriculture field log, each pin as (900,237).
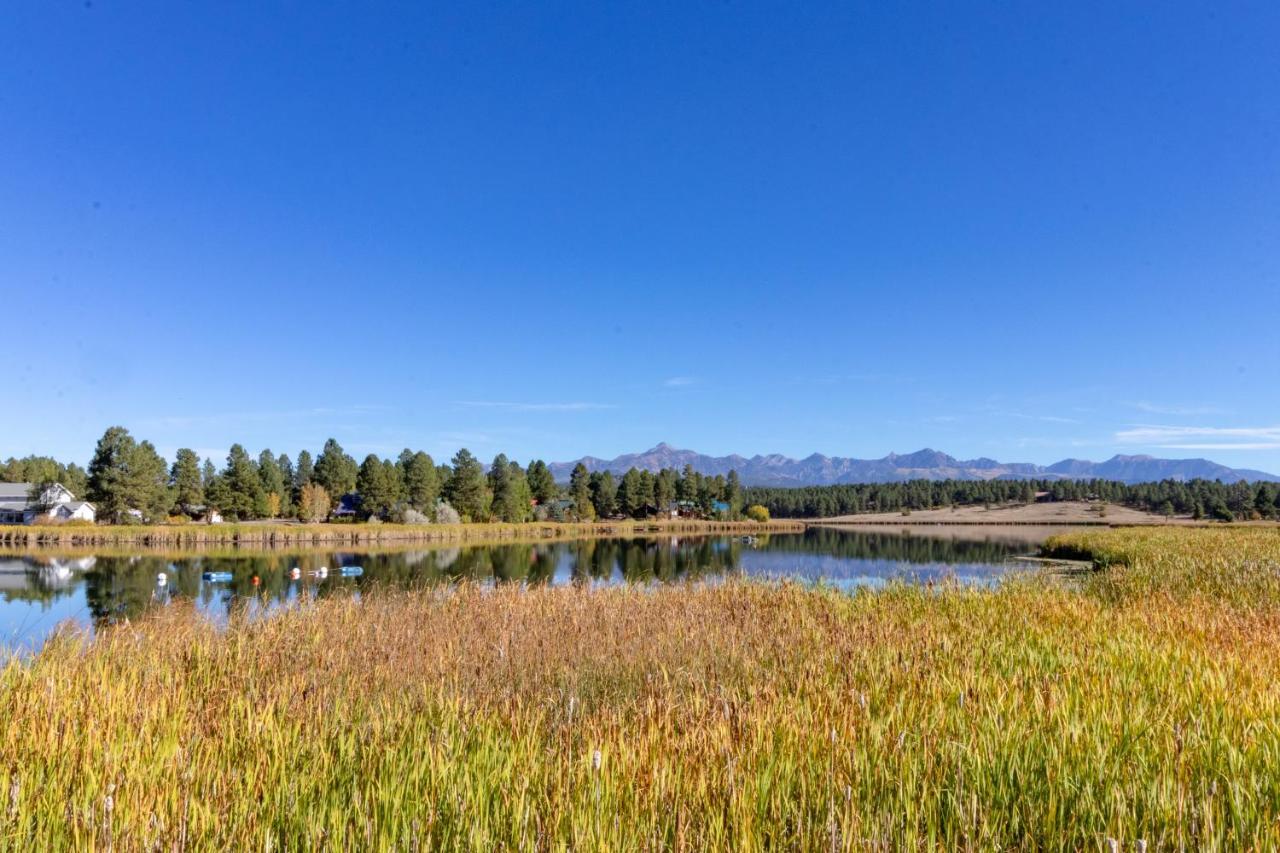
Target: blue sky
(1027,231)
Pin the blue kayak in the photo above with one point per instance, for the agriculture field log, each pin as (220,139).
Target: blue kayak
(351,571)
(217,577)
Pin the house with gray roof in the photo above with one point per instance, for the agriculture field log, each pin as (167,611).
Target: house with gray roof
(56,503)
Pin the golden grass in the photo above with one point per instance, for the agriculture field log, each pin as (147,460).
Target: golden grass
(731,716)
(1237,566)
(267,535)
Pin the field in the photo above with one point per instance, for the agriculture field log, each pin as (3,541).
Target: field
(1048,514)
(1140,702)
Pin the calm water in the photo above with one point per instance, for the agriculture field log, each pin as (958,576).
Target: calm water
(39,592)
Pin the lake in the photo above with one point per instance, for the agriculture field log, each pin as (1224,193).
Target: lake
(40,591)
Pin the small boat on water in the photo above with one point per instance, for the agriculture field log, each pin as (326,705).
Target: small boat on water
(351,571)
(217,577)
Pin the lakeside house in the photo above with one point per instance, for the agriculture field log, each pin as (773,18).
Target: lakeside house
(692,509)
(348,506)
(55,503)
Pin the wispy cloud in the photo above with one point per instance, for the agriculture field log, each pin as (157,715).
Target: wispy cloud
(535,407)
(1049,419)
(680,381)
(1157,409)
(1202,438)
(234,418)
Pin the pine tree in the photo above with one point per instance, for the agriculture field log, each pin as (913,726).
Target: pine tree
(241,493)
(285,464)
(149,483)
(499,474)
(395,481)
(272,479)
(376,492)
(648,489)
(521,495)
(510,488)
(304,472)
(630,497)
(421,482)
(687,488)
(580,493)
(604,494)
(733,493)
(335,470)
(188,485)
(541,483)
(664,489)
(108,487)
(466,489)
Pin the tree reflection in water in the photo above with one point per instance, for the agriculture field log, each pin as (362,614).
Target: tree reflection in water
(115,588)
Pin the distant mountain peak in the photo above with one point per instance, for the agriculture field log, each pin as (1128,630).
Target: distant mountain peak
(818,470)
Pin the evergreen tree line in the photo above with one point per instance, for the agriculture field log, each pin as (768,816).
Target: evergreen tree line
(1199,499)
(129,480)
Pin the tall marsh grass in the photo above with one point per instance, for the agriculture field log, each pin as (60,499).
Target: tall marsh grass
(274,535)
(731,716)
(1239,566)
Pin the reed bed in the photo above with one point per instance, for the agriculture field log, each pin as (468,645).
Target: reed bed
(1237,566)
(733,716)
(293,535)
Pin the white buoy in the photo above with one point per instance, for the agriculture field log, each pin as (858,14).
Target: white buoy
(162,579)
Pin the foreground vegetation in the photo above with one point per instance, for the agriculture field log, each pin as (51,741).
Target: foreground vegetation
(1141,705)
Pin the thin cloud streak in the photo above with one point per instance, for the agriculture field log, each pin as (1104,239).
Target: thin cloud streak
(227,418)
(1154,409)
(536,407)
(1275,445)
(1202,438)
(680,382)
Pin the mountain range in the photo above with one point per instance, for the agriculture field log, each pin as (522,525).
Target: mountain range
(819,470)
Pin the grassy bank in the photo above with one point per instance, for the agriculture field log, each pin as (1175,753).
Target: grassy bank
(733,716)
(1225,566)
(290,535)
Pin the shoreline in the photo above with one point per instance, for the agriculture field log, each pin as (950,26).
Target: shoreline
(269,536)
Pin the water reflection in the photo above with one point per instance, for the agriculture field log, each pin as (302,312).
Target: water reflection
(38,592)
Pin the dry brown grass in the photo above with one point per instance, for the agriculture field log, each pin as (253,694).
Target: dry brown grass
(725,716)
(276,535)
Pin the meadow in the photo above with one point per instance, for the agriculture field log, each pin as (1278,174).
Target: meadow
(1134,704)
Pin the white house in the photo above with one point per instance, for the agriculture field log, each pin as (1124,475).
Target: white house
(56,503)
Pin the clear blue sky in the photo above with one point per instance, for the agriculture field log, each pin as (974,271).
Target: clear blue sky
(1026,231)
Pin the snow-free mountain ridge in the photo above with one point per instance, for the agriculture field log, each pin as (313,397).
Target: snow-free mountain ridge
(927,464)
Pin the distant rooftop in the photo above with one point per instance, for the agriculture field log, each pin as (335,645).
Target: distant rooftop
(15,491)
